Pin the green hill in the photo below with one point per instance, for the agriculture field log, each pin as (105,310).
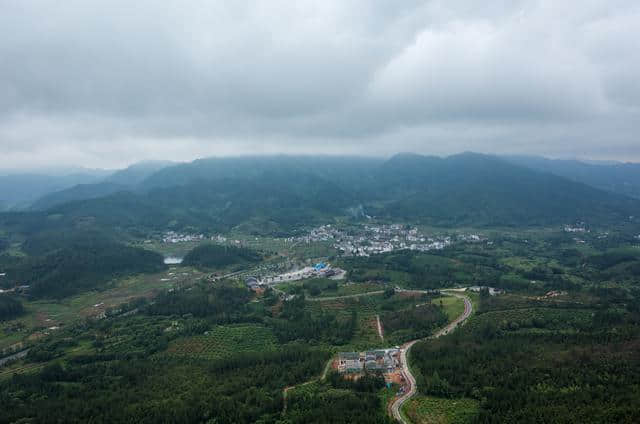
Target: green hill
(617,177)
(123,180)
(274,195)
(77,192)
(58,266)
(473,189)
(216,256)
(279,199)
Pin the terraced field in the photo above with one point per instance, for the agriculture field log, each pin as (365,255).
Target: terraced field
(225,341)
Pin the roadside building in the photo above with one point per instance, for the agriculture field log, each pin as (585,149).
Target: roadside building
(492,291)
(350,362)
(252,283)
(380,360)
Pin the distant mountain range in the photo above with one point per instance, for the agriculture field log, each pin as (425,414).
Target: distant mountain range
(123,180)
(616,177)
(276,193)
(19,191)
(42,190)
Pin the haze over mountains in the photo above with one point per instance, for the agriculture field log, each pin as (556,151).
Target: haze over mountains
(19,191)
(272,193)
(121,180)
(622,178)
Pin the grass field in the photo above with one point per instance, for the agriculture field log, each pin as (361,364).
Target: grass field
(433,410)
(453,306)
(225,341)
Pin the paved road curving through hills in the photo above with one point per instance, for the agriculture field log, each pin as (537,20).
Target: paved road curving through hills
(406,372)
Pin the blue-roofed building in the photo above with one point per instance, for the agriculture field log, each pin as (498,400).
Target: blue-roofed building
(320,265)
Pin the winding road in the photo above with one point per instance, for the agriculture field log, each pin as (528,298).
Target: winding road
(404,349)
(406,372)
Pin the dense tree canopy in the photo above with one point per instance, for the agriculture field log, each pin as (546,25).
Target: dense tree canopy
(9,307)
(64,268)
(217,256)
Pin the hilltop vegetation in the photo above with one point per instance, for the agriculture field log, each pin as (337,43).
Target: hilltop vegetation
(17,191)
(273,195)
(622,178)
(225,342)
(77,192)
(471,189)
(224,304)
(549,364)
(9,307)
(57,267)
(412,323)
(338,401)
(217,256)
(115,388)
(123,180)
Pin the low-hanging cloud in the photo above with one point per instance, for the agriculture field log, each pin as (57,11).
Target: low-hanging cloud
(106,83)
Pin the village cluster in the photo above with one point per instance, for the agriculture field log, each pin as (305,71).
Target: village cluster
(375,239)
(355,241)
(577,228)
(175,237)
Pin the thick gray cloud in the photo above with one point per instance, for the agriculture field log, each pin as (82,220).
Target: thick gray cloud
(106,83)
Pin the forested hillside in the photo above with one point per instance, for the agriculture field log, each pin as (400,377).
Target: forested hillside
(18,191)
(560,363)
(274,194)
(77,192)
(621,178)
(216,256)
(9,307)
(59,266)
(472,189)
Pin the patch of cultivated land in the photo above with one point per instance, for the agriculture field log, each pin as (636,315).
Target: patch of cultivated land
(433,410)
(225,341)
(532,319)
(349,289)
(43,314)
(19,367)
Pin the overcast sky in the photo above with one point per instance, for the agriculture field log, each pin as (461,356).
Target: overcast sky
(108,83)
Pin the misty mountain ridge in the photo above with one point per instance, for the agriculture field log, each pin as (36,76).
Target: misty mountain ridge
(18,191)
(122,180)
(617,177)
(276,193)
